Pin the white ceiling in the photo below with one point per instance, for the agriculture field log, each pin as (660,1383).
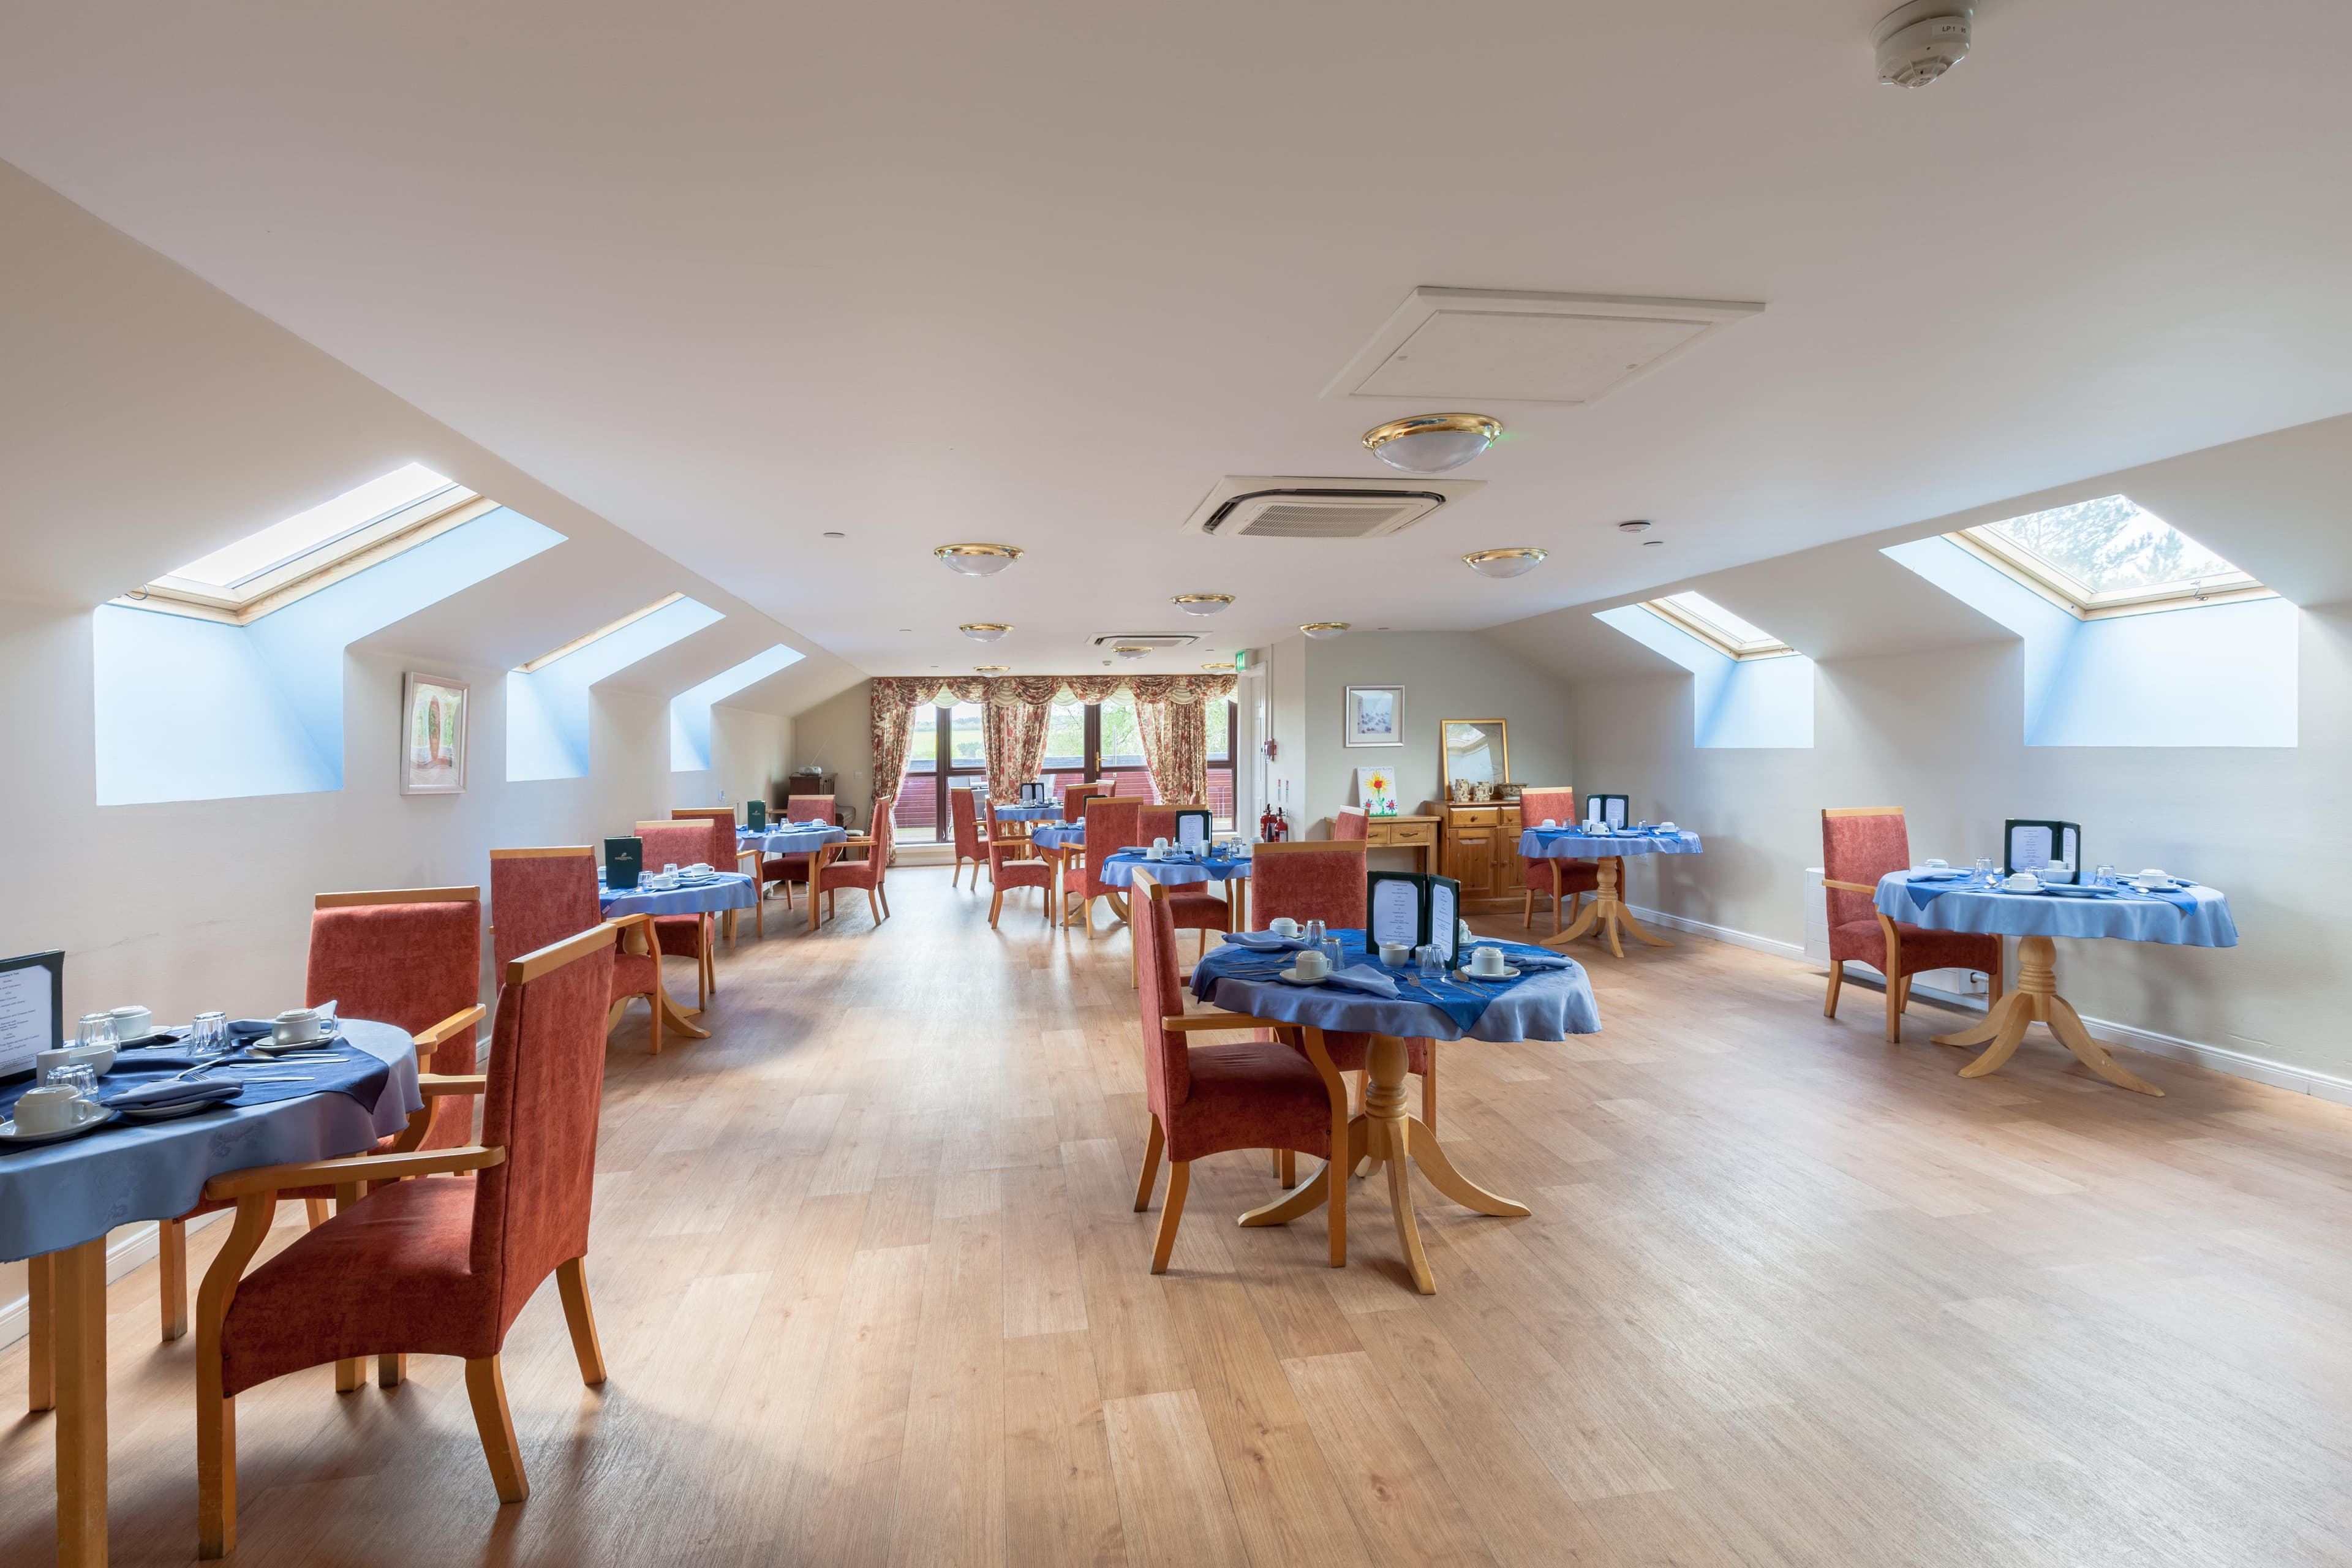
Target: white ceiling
(731,276)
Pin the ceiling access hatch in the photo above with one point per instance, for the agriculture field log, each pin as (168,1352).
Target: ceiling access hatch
(1477,346)
(1154,640)
(1294,507)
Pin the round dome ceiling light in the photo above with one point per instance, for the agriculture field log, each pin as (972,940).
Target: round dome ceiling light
(1920,42)
(1634,525)
(1323,630)
(1130,650)
(990,669)
(976,560)
(1201,603)
(983,631)
(1224,669)
(1432,443)
(1514,563)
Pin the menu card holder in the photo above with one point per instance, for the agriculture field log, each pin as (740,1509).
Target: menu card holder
(624,859)
(1612,810)
(1192,829)
(1413,908)
(755,816)
(32,1009)
(2050,850)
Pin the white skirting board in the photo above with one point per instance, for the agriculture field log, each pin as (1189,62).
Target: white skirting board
(136,1247)
(2237,1064)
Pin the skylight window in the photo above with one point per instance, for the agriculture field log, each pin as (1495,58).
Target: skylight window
(1716,627)
(2108,557)
(598,635)
(280,563)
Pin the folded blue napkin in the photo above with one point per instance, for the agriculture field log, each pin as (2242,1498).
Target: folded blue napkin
(1527,962)
(247,1028)
(181,1091)
(1363,977)
(1266,941)
(152,1061)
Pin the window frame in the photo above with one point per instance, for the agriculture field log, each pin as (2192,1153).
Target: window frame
(2058,587)
(1716,638)
(1090,771)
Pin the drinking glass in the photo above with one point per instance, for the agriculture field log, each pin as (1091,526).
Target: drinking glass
(95,1029)
(208,1034)
(2105,876)
(1315,933)
(82,1079)
(1332,954)
(669,867)
(1432,961)
(1984,870)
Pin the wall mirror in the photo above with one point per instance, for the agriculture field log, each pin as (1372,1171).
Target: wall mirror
(1476,750)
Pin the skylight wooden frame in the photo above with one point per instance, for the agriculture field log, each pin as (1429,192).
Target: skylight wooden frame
(1715,636)
(324,567)
(2029,570)
(598,635)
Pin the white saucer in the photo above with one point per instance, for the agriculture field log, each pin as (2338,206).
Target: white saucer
(1291,977)
(1510,972)
(12,1139)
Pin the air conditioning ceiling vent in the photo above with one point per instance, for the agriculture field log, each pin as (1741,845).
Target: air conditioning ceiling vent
(1147,639)
(1313,509)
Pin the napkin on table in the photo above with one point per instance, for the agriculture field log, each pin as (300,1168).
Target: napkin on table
(1363,977)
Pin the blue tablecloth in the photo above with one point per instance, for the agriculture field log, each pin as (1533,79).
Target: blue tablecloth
(1566,844)
(800,838)
(1051,811)
(2129,917)
(1118,870)
(1055,835)
(1548,1006)
(62,1195)
(727,891)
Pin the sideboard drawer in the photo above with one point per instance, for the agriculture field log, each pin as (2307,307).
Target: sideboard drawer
(1477,816)
(1389,834)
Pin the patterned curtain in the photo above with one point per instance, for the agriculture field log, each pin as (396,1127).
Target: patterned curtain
(1172,715)
(894,702)
(1019,711)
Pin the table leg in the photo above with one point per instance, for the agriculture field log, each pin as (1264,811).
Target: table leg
(817,863)
(1607,914)
(634,941)
(80,1289)
(2036,1000)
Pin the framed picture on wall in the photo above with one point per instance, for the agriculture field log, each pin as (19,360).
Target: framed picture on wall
(432,735)
(1374,716)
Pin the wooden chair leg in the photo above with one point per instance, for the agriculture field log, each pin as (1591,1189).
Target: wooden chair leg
(572,1280)
(1894,1012)
(486,1385)
(172,1277)
(1179,1178)
(1837,983)
(873,907)
(1285,1166)
(653,1005)
(995,905)
(1905,1005)
(317,1211)
(41,1328)
(391,1370)
(882,891)
(1153,1141)
(1526,909)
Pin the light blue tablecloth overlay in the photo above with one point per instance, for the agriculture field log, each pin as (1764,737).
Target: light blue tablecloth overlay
(797,839)
(729,890)
(1566,844)
(62,1195)
(1055,835)
(1549,1006)
(1118,870)
(2126,917)
(1049,811)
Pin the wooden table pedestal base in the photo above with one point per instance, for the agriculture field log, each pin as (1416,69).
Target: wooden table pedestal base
(1607,914)
(1386,1134)
(2036,1001)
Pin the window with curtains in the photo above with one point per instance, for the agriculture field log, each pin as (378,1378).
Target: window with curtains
(946,750)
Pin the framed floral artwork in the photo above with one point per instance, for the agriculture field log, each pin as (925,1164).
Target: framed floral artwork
(432,735)
(1374,716)
(1376,791)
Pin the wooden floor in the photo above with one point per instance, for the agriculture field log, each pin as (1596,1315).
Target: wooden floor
(871,1291)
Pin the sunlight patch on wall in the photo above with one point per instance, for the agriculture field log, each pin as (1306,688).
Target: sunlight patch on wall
(690,711)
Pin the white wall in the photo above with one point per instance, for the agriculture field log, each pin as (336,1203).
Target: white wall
(1940,733)
(837,734)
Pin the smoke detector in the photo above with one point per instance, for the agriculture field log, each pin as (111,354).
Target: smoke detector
(1920,42)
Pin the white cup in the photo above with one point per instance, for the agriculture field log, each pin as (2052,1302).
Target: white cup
(1939,865)
(51,1108)
(100,1059)
(1311,964)
(133,1023)
(700,867)
(2151,874)
(1668,827)
(1283,926)
(1396,954)
(297,1026)
(2023,882)
(1486,961)
(1549,822)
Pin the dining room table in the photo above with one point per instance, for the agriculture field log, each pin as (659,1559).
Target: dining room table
(1547,996)
(60,1202)
(820,841)
(1183,867)
(1609,848)
(2177,914)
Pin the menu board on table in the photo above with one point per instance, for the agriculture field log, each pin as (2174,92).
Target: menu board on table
(755,816)
(1608,808)
(1411,908)
(2050,850)
(624,860)
(1192,829)
(32,1009)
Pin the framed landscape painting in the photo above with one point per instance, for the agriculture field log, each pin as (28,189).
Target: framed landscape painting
(432,735)
(1374,716)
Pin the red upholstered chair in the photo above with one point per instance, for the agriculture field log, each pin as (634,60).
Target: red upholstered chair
(964,817)
(681,844)
(1349,825)
(1075,798)
(1323,880)
(1554,880)
(1011,866)
(1206,1099)
(866,873)
(787,869)
(1859,846)
(1112,824)
(439,1266)
(539,897)
(1193,907)
(726,854)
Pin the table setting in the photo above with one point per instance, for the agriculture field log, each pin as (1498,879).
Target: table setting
(791,837)
(1059,834)
(680,890)
(1048,810)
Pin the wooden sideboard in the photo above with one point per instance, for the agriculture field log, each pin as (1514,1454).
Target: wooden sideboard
(1479,848)
(1417,833)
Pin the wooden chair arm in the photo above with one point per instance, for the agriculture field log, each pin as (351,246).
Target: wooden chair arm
(430,1084)
(450,1025)
(1187,1023)
(1849,887)
(356,1168)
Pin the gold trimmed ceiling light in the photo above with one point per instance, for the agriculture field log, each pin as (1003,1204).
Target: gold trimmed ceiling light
(977,559)
(1201,603)
(983,631)
(990,669)
(1130,650)
(1513,562)
(1432,443)
(1320,630)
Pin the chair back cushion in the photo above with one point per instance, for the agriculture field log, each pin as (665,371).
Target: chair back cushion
(809,808)
(1308,880)
(1861,845)
(539,898)
(722,853)
(546,1088)
(1111,825)
(1555,803)
(410,965)
(1167,1069)
(1075,798)
(681,844)
(1349,825)
(962,814)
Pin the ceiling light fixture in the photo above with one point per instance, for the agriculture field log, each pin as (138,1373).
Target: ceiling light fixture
(1320,630)
(1201,603)
(1634,525)
(1652,544)
(1920,42)
(983,631)
(989,668)
(1432,443)
(1513,562)
(977,559)
(834,533)
(1224,669)
(1130,650)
